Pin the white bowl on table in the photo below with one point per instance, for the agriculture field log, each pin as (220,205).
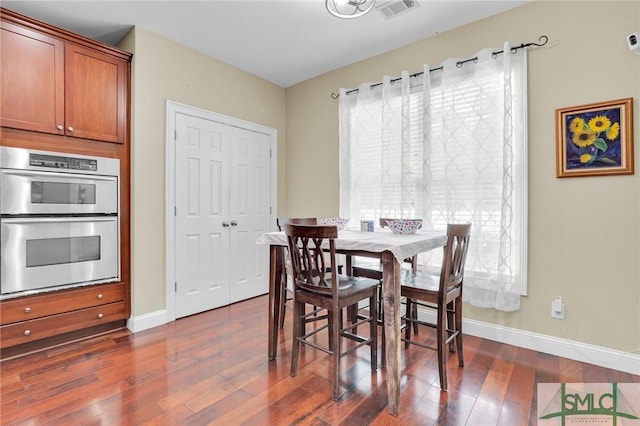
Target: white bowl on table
(335,221)
(404,226)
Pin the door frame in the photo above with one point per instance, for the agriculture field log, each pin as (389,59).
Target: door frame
(173,108)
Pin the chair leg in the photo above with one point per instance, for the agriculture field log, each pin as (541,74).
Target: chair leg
(409,315)
(383,352)
(335,332)
(451,325)
(298,311)
(441,334)
(352,315)
(458,321)
(373,327)
(332,326)
(414,313)
(380,304)
(283,301)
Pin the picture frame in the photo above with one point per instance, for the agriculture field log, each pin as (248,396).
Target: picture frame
(595,139)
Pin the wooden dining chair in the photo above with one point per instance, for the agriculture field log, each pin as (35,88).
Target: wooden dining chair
(317,282)
(286,292)
(442,293)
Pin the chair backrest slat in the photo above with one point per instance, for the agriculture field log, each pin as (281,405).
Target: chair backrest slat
(313,256)
(455,255)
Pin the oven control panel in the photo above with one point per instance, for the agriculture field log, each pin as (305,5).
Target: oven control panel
(61,162)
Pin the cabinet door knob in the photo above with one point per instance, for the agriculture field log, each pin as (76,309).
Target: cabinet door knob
(225,224)
(70,129)
(27,310)
(100,316)
(60,127)
(100,296)
(27,332)
(234,223)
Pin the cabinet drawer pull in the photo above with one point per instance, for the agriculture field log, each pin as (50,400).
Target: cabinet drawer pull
(27,332)
(27,310)
(70,129)
(100,296)
(100,316)
(60,127)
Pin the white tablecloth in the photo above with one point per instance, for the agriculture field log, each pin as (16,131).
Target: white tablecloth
(401,245)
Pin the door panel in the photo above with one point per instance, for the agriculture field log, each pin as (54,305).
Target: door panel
(201,241)
(223,205)
(32,70)
(95,102)
(250,202)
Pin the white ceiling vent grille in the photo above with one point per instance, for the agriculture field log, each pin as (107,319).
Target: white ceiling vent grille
(394,8)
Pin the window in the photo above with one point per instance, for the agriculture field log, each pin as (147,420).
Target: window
(447,146)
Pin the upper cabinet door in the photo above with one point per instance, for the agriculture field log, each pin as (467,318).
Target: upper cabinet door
(32,80)
(95,94)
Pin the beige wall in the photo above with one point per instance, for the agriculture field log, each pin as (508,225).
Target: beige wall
(164,70)
(583,232)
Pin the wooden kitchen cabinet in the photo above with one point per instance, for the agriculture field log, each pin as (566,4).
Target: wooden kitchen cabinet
(31,318)
(28,308)
(50,80)
(55,82)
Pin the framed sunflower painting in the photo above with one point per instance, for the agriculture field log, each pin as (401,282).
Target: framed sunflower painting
(595,139)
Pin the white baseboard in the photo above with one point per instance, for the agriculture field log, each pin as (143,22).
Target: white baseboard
(571,349)
(146,321)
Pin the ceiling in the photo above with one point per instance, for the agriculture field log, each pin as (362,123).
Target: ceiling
(284,42)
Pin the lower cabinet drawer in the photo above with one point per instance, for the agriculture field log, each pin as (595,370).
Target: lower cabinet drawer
(32,307)
(36,329)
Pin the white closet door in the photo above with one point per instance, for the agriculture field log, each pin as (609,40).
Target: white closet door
(250,215)
(202,189)
(222,195)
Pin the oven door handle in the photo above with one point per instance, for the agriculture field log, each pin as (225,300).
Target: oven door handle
(9,220)
(63,175)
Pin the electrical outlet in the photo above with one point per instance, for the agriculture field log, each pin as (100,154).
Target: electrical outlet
(557,308)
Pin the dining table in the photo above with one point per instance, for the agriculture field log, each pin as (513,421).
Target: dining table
(382,244)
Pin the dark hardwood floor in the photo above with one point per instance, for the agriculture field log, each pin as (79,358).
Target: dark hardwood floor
(212,368)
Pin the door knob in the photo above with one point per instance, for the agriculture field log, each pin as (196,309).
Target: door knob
(70,129)
(225,224)
(234,223)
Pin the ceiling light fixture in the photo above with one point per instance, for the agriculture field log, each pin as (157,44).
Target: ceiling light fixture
(349,8)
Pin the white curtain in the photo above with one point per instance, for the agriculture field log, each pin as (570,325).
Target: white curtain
(447,146)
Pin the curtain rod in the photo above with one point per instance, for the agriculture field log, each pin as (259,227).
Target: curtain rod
(543,39)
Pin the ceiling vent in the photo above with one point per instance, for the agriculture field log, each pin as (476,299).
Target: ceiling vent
(391,9)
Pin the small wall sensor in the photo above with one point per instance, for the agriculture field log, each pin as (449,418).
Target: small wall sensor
(633,41)
(557,308)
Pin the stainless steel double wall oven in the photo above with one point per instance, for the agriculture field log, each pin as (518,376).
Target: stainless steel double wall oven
(59,220)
